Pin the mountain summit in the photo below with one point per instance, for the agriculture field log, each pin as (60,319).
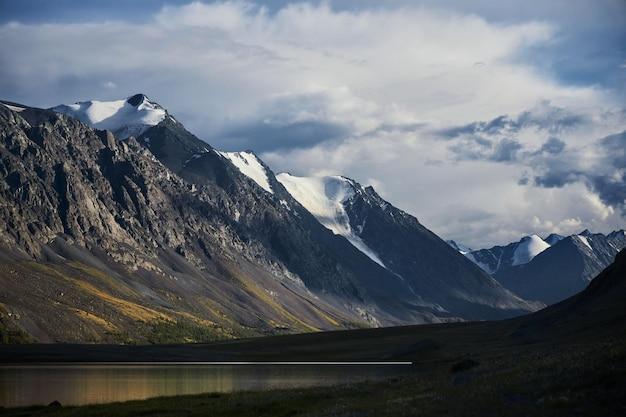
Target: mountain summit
(124,118)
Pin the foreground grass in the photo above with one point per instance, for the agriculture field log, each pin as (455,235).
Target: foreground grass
(587,379)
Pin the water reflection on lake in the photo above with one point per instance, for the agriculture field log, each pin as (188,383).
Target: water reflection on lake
(23,385)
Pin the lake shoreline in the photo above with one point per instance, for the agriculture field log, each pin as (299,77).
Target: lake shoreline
(569,358)
(104,383)
(546,380)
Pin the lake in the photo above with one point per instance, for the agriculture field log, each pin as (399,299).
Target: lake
(79,384)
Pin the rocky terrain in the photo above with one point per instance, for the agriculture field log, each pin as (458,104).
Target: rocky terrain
(161,238)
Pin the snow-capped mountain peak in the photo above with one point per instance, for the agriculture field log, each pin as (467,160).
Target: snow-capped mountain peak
(128,117)
(528,248)
(249,165)
(324,198)
(516,253)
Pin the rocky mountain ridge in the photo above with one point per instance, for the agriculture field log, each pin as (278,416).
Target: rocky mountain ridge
(161,237)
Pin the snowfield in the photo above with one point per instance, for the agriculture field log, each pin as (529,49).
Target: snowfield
(324,198)
(584,240)
(125,118)
(14,108)
(528,248)
(250,166)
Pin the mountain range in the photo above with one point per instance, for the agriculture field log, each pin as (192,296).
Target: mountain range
(551,269)
(142,232)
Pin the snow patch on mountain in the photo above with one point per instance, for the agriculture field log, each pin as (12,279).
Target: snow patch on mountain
(125,118)
(528,248)
(585,241)
(14,108)
(250,166)
(324,198)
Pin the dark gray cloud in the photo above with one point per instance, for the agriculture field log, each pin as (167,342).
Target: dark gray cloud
(600,165)
(553,178)
(497,140)
(491,127)
(549,118)
(472,148)
(605,176)
(615,148)
(545,117)
(266,137)
(506,151)
(479,148)
(612,190)
(611,186)
(553,146)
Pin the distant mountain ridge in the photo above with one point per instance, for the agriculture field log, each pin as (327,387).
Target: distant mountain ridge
(500,257)
(550,269)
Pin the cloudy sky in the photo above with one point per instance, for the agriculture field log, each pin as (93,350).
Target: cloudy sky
(486,120)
